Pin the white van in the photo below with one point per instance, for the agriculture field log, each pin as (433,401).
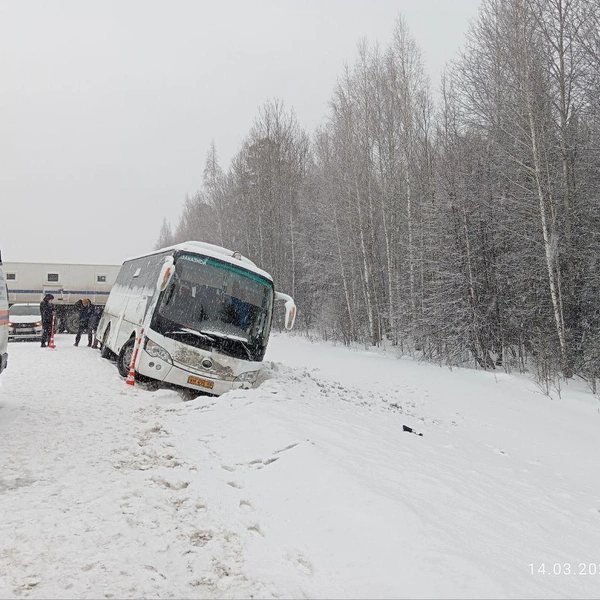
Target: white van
(3,319)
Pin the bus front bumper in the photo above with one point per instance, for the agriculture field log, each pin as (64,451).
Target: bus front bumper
(166,372)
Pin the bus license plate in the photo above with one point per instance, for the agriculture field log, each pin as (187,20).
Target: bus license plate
(201,382)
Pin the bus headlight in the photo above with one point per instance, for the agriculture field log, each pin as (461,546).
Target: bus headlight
(156,351)
(247,377)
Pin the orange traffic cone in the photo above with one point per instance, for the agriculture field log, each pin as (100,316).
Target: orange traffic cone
(51,342)
(131,376)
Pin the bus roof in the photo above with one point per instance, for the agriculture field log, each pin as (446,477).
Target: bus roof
(218,252)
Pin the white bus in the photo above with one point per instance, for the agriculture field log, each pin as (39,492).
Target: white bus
(201,315)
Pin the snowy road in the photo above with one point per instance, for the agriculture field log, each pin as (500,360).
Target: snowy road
(304,487)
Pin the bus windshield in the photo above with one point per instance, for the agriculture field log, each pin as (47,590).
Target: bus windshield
(211,300)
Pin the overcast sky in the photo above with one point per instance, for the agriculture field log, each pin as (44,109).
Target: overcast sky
(108,108)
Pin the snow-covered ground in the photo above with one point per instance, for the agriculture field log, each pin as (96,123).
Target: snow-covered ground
(305,487)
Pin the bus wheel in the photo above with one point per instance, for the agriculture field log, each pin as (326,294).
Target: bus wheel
(105,352)
(125,356)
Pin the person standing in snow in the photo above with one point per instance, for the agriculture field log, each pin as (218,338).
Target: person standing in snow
(93,325)
(86,309)
(47,312)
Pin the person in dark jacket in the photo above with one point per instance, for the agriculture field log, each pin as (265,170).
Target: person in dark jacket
(47,312)
(86,309)
(93,324)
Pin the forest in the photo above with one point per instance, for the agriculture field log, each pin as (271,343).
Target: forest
(458,220)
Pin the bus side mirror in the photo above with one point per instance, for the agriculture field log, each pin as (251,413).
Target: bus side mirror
(290,314)
(290,309)
(166,274)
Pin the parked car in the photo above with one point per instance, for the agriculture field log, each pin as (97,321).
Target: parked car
(24,322)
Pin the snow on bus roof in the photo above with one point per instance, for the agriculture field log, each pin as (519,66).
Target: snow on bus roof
(214,251)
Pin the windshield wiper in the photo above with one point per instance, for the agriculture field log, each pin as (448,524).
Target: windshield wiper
(226,336)
(236,338)
(247,350)
(193,332)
